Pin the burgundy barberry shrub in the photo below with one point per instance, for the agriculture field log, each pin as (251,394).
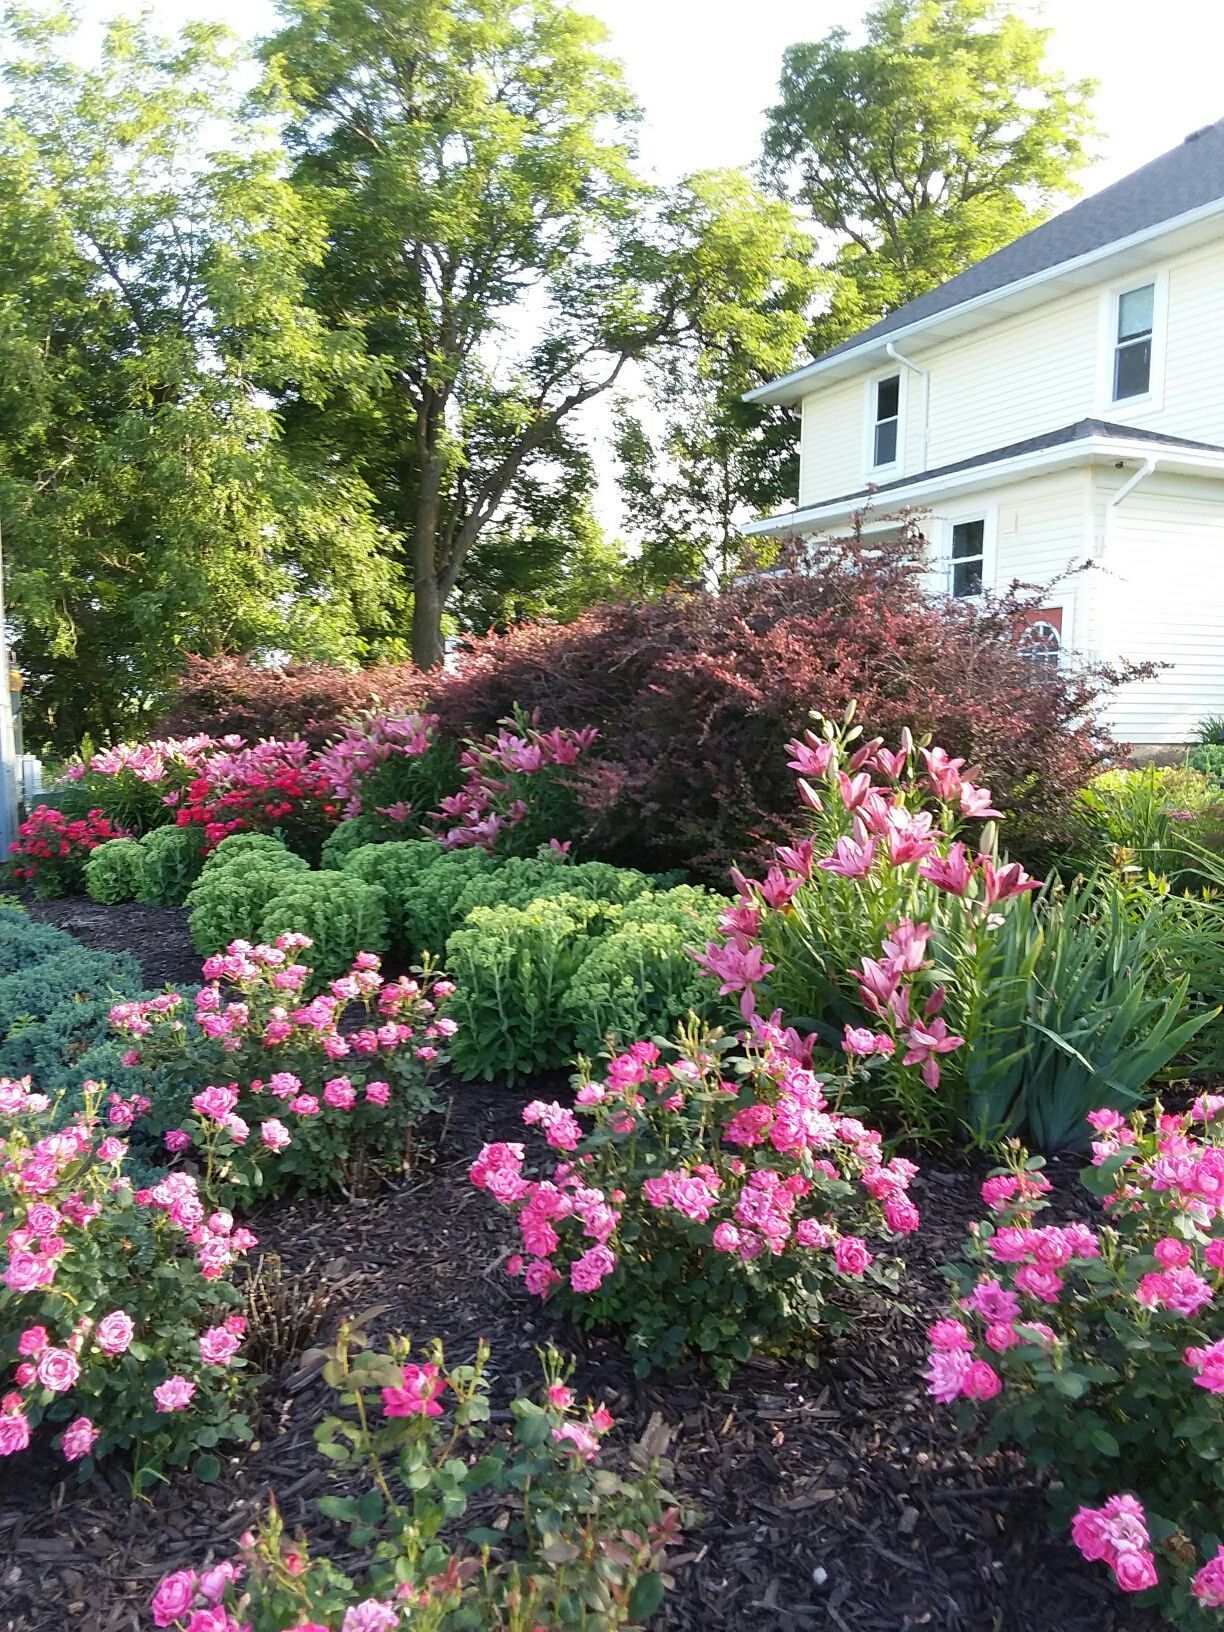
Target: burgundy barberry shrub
(714,1203)
(694,695)
(264,1090)
(51,849)
(223,695)
(119,1324)
(566,1544)
(1099,1348)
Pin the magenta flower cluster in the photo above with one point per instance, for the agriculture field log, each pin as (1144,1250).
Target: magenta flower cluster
(497,772)
(73,1308)
(742,1161)
(306,1087)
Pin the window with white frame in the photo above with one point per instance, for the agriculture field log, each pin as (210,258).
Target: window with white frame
(1132,359)
(968,557)
(887,420)
(1041,645)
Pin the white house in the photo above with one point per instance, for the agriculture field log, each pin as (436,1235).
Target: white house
(1061,400)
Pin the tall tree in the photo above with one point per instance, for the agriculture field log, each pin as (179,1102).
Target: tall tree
(700,459)
(491,238)
(944,136)
(149,303)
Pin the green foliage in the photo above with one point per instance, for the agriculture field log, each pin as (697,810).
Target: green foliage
(398,870)
(227,902)
(638,982)
(1208,760)
(24,942)
(707,455)
(153,273)
(1073,1012)
(428,907)
(350,836)
(939,139)
(173,859)
(48,1049)
(512,967)
(511,127)
(1210,733)
(115,871)
(249,844)
(521,879)
(34,991)
(572,1545)
(341,913)
(1141,821)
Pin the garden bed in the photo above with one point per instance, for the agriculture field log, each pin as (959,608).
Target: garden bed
(839,1497)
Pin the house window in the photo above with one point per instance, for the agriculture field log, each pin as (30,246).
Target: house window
(968,557)
(1041,644)
(887,417)
(1132,372)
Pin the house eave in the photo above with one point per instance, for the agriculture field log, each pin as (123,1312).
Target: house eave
(1021,292)
(916,493)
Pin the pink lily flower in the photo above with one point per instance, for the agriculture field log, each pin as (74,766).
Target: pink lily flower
(850,858)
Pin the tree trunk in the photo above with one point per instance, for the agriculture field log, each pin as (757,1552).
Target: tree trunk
(427,649)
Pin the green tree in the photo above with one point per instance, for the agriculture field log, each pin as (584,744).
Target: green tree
(700,458)
(490,236)
(151,306)
(940,139)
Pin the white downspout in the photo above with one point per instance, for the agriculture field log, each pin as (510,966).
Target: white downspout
(1132,482)
(925,377)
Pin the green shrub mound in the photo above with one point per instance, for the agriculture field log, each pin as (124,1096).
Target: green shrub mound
(248,844)
(397,868)
(48,1049)
(114,871)
(36,991)
(173,859)
(352,835)
(428,908)
(227,901)
(513,967)
(641,979)
(23,942)
(1208,760)
(342,915)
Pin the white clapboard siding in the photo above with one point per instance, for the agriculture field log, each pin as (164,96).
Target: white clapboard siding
(1021,376)
(1163,550)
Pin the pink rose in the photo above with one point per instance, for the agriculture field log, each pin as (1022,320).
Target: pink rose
(14,1433)
(175,1394)
(851,1255)
(58,1369)
(173,1598)
(78,1439)
(114,1332)
(1135,1572)
(32,1341)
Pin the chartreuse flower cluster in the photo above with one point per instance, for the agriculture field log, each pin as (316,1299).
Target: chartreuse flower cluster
(117,1313)
(569,1545)
(709,1198)
(1099,1347)
(266,1090)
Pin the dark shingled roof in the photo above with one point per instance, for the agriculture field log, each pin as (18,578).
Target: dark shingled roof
(1082,431)
(1186,178)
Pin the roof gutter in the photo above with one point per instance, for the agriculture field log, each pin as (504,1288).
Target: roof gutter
(791,385)
(925,377)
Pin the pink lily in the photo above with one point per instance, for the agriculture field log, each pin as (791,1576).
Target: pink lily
(811,758)
(975,801)
(951,872)
(1001,883)
(850,859)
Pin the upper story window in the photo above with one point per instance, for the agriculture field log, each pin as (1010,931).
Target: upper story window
(1132,365)
(887,420)
(968,557)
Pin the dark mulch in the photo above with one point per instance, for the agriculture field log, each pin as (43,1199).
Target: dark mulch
(836,1498)
(155,936)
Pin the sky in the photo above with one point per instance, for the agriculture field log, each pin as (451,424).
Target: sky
(705,70)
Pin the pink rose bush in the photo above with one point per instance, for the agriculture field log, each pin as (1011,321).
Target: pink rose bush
(117,1305)
(264,1090)
(709,1198)
(1099,1347)
(572,1544)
